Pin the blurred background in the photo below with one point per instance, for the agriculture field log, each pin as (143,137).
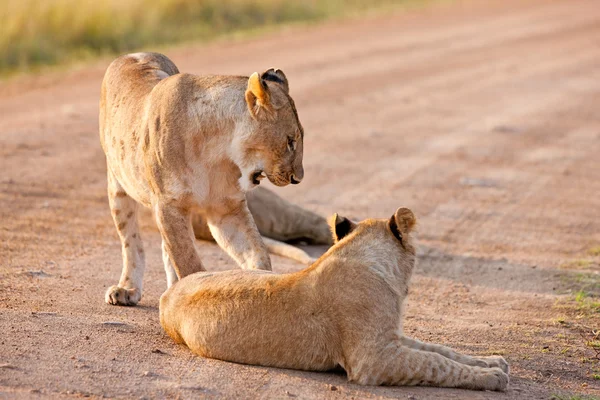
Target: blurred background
(34,33)
(482,116)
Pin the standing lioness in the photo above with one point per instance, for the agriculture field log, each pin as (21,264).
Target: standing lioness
(180,143)
(345,309)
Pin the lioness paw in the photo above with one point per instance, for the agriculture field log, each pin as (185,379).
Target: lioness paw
(119,296)
(497,362)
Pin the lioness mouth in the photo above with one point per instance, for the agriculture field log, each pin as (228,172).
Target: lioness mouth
(257,176)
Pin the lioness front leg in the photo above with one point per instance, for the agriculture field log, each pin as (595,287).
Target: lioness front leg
(169,269)
(400,365)
(235,231)
(179,250)
(124,212)
(485,362)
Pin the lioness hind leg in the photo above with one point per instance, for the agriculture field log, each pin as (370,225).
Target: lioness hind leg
(124,211)
(400,365)
(485,362)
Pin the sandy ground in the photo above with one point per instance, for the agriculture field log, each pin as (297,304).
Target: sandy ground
(482,118)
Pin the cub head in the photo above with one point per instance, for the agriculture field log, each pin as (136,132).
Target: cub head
(377,234)
(274,146)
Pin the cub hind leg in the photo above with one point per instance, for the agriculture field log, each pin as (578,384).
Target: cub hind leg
(124,211)
(484,362)
(400,365)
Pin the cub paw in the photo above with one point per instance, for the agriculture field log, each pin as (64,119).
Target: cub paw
(495,379)
(478,362)
(119,296)
(497,362)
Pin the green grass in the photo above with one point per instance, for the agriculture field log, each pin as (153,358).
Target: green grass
(34,33)
(588,282)
(594,344)
(586,302)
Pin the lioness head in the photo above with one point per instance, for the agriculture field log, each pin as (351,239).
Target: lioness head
(274,147)
(387,238)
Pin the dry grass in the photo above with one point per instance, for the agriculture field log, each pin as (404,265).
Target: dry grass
(594,251)
(46,32)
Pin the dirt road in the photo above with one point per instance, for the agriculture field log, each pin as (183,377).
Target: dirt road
(484,119)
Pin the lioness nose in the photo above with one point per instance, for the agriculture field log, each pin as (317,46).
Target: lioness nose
(295,181)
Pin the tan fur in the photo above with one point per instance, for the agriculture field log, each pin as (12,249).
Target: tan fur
(184,144)
(279,220)
(344,310)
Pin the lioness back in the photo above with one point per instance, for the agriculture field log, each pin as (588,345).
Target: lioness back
(127,81)
(124,130)
(214,313)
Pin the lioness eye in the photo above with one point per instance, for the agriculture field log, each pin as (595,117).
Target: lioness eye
(291,144)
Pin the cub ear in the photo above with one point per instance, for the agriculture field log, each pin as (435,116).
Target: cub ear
(340,227)
(258,97)
(277,76)
(402,222)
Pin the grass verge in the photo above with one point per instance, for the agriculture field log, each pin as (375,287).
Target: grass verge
(36,33)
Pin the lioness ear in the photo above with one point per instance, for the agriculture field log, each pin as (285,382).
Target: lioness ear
(258,97)
(340,227)
(277,76)
(402,222)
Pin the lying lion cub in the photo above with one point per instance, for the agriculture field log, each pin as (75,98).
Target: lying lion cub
(345,309)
